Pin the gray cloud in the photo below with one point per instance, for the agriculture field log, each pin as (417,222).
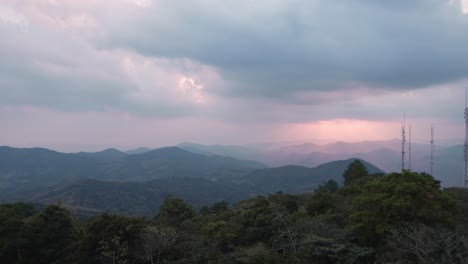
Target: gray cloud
(238,61)
(49,61)
(276,48)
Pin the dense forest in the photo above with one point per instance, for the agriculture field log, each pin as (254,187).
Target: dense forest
(373,218)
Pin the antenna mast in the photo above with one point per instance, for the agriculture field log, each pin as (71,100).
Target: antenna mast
(403,141)
(466,139)
(432,149)
(409,149)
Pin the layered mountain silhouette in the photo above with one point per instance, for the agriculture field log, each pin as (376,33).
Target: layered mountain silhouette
(135,182)
(25,170)
(386,154)
(114,181)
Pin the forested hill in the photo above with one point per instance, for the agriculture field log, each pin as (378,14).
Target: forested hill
(419,223)
(137,198)
(29,169)
(112,181)
(298,179)
(142,199)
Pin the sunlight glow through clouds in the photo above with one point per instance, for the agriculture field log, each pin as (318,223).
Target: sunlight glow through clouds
(349,130)
(192,87)
(465,6)
(142,3)
(11,17)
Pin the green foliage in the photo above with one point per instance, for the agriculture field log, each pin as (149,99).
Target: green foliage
(283,201)
(253,219)
(355,171)
(51,236)
(215,208)
(175,210)
(220,232)
(110,239)
(257,254)
(395,218)
(329,186)
(400,198)
(325,240)
(114,250)
(11,225)
(156,242)
(425,244)
(321,203)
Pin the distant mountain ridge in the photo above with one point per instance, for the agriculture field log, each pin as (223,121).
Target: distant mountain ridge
(297,179)
(26,169)
(113,181)
(137,198)
(386,154)
(137,151)
(238,152)
(107,153)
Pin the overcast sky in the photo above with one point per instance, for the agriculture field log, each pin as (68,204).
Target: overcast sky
(91,74)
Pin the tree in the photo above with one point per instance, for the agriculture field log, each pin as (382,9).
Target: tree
(220,233)
(12,224)
(155,241)
(321,203)
(287,202)
(286,237)
(252,220)
(174,211)
(110,239)
(52,237)
(400,198)
(429,245)
(329,186)
(215,208)
(322,240)
(355,171)
(257,254)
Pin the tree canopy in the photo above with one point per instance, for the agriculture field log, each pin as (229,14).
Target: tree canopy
(395,218)
(397,199)
(355,171)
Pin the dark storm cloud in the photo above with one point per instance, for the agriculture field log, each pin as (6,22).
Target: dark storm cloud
(254,61)
(46,61)
(276,48)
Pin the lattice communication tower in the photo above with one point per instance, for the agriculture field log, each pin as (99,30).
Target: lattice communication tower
(403,141)
(466,139)
(432,149)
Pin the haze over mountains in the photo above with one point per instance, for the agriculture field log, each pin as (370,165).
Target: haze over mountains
(136,181)
(115,181)
(385,154)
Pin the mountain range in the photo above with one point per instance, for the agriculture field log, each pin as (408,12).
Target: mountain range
(136,181)
(385,154)
(115,181)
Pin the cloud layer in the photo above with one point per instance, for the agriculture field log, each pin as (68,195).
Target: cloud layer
(269,63)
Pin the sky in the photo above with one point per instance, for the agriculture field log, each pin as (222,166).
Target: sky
(92,74)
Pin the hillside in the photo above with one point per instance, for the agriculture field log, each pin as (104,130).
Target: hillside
(297,179)
(235,151)
(134,198)
(24,168)
(173,162)
(22,171)
(138,151)
(105,154)
(386,154)
(143,198)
